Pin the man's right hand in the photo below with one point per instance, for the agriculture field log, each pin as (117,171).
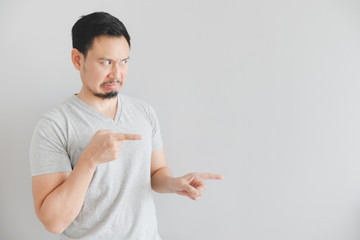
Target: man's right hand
(58,197)
(105,146)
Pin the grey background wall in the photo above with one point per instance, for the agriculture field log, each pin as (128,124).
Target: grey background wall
(264,92)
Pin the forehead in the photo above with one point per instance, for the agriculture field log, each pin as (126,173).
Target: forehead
(109,46)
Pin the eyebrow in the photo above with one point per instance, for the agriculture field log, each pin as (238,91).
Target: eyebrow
(106,58)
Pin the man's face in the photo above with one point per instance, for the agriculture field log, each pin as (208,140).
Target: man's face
(104,69)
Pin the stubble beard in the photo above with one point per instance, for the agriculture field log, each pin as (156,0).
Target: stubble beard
(108,95)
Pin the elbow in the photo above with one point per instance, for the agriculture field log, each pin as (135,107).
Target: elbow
(55,223)
(54,227)
(153,188)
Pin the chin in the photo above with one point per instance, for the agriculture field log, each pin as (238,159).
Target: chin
(108,95)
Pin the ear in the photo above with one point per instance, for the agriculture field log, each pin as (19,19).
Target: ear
(77,58)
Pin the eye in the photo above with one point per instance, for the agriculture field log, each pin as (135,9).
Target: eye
(123,62)
(107,62)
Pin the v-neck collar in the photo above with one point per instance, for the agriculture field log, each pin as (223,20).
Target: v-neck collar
(94,112)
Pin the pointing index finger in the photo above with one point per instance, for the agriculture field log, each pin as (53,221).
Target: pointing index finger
(127,136)
(208,176)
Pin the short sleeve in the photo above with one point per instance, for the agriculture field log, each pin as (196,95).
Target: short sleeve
(48,149)
(156,135)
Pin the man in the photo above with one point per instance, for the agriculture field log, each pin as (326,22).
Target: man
(96,157)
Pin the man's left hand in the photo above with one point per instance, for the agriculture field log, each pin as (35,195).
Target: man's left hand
(192,184)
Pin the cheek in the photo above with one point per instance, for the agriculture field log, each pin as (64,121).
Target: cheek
(97,74)
(124,72)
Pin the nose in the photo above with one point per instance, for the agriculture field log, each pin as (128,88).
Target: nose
(115,72)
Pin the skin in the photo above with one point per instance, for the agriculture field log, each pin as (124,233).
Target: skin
(58,197)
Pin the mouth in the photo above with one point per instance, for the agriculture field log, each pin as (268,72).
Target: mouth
(111,85)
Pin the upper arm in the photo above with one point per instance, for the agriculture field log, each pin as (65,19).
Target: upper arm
(158,160)
(48,149)
(43,185)
(156,139)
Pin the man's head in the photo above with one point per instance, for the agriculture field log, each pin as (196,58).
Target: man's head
(101,46)
(93,25)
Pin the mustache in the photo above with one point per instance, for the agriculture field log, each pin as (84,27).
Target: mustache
(111,81)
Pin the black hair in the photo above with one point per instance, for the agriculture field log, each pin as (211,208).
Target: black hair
(96,24)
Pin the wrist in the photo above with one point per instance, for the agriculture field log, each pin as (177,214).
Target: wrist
(87,161)
(171,183)
(162,181)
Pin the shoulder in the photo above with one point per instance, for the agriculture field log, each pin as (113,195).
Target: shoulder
(57,116)
(136,102)
(62,110)
(138,105)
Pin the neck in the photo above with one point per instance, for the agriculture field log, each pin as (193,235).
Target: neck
(106,107)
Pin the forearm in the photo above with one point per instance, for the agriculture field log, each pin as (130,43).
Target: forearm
(160,180)
(63,205)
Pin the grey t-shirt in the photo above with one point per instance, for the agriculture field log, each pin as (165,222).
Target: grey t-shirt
(118,203)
